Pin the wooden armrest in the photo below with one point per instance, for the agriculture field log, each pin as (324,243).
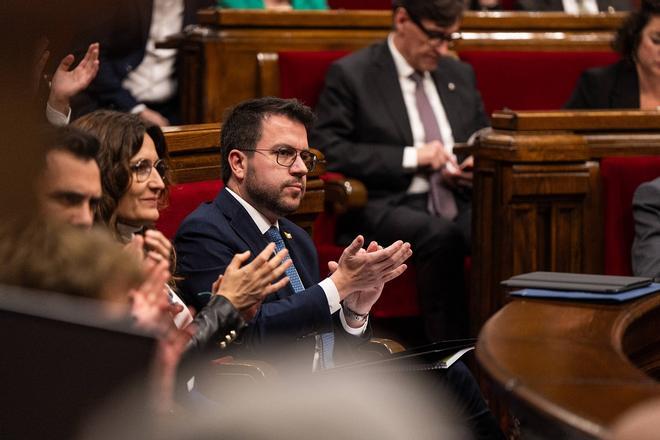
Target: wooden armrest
(377,348)
(343,194)
(226,376)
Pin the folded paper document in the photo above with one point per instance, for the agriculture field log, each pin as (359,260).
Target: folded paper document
(577,282)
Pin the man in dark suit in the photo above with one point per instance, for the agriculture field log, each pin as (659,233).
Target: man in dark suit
(265,160)
(646,247)
(134,75)
(389,115)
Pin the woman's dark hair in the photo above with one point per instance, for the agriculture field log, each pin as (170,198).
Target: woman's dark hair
(121,136)
(629,34)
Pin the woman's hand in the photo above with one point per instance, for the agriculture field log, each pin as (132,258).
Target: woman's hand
(156,242)
(246,287)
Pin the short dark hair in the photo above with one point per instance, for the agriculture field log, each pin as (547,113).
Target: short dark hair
(242,126)
(82,145)
(121,136)
(442,12)
(629,34)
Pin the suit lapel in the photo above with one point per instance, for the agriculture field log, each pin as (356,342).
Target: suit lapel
(386,82)
(451,102)
(244,227)
(241,222)
(626,80)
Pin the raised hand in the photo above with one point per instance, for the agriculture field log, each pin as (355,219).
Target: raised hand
(150,305)
(156,242)
(246,287)
(67,83)
(358,269)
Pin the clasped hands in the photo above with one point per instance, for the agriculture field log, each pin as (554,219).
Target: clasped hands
(360,274)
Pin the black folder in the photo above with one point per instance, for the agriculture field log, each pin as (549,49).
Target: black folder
(577,282)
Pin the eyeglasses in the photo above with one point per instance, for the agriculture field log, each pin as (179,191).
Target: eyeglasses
(435,37)
(286,156)
(142,169)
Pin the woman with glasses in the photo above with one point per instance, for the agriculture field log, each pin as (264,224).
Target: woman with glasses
(134,176)
(633,82)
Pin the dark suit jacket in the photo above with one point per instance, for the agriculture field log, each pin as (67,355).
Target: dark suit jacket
(123,41)
(615,86)
(557,5)
(363,125)
(646,246)
(205,244)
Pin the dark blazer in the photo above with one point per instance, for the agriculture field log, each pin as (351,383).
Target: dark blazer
(123,42)
(614,86)
(363,125)
(557,5)
(206,242)
(646,246)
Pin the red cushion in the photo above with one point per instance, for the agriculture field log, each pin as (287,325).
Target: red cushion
(184,199)
(620,178)
(302,73)
(522,80)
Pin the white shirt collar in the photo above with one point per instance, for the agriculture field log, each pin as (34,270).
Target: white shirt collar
(258,218)
(403,69)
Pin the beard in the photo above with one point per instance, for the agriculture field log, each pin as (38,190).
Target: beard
(270,198)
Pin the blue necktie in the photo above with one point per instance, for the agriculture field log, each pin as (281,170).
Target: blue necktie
(327,339)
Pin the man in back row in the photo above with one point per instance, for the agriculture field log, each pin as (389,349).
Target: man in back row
(389,115)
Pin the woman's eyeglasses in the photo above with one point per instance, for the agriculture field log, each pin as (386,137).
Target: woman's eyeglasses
(142,169)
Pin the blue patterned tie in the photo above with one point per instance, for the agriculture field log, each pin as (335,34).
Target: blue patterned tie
(327,339)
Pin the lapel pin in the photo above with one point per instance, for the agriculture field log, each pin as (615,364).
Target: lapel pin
(451,86)
(287,235)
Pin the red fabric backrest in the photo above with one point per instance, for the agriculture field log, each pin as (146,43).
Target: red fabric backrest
(302,73)
(521,80)
(360,4)
(184,199)
(620,178)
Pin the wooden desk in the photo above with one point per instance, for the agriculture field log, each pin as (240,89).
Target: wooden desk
(538,196)
(570,369)
(219,57)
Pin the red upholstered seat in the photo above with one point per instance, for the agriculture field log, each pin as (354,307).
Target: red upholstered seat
(302,73)
(184,199)
(534,80)
(620,178)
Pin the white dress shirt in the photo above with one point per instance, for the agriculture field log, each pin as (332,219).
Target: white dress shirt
(153,79)
(580,6)
(420,182)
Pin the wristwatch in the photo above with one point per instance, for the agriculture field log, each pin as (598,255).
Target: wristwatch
(350,314)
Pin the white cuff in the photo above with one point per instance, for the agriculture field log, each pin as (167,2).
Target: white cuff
(138,109)
(409,158)
(331,293)
(56,117)
(352,330)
